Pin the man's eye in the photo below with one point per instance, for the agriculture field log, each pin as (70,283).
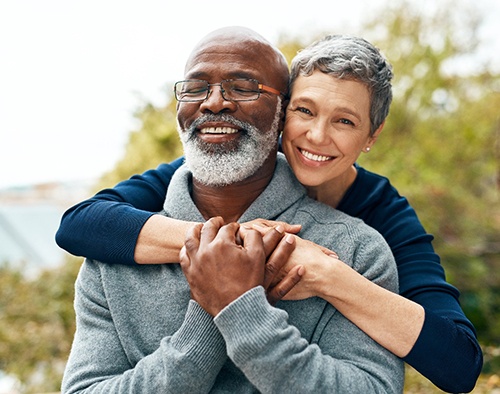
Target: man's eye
(244,89)
(239,89)
(194,90)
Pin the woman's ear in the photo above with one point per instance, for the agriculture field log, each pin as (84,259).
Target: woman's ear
(374,137)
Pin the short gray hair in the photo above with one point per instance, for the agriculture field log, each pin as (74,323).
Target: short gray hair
(352,58)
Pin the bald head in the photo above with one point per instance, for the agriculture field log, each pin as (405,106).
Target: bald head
(253,50)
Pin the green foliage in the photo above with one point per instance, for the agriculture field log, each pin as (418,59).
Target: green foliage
(440,148)
(37,324)
(156,141)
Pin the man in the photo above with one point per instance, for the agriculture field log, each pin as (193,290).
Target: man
(206,325)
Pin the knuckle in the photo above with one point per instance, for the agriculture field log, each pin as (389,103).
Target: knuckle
(280,293)
(271,268)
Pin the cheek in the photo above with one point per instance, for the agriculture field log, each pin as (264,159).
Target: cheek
(185,111)
(293,129)
(350,147)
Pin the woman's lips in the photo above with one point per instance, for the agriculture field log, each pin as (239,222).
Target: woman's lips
(315,157)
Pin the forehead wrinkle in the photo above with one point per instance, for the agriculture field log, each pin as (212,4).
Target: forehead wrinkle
(206,76)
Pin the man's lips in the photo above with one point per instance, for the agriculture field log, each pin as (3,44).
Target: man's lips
(315,157)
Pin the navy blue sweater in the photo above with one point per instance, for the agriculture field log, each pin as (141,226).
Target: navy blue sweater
(106,226)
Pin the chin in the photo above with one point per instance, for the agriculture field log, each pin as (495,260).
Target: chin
(308,181)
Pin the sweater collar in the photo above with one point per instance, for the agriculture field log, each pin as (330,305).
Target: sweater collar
(282,192)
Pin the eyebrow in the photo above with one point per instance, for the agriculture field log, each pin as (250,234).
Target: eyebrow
(349,111)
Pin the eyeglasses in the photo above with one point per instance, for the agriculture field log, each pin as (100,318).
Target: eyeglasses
(231,90)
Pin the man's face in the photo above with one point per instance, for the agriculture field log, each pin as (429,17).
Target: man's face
(227,141)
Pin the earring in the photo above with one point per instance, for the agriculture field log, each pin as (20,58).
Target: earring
(367,149)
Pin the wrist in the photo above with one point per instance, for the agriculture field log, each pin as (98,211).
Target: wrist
(328,273)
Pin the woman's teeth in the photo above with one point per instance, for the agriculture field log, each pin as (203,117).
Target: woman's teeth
(314,157)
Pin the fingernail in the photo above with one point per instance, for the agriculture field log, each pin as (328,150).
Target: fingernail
(289,239)
(279,229)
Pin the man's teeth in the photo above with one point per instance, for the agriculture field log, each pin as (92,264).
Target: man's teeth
(218,130)
(312,156)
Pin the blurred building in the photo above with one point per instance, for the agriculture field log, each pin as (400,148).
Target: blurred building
(29,218)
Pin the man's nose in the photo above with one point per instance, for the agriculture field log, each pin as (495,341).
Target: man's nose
(215,102)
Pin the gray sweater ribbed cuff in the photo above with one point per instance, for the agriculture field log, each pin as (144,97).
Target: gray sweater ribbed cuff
(250,322)
(199,338)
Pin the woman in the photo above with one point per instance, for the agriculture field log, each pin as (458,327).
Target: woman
(341,94)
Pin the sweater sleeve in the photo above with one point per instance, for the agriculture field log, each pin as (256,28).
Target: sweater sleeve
(106,226)
(276,359)
(99,364)
(447,351)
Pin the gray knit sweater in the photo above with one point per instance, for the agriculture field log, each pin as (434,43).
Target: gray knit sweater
(139,332)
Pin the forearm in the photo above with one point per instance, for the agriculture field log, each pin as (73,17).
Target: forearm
(160,240)
(442,348)
(106,226)
(390,319)
(449,342)
(102,230)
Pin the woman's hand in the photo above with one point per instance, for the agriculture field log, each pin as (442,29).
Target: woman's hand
(305,271)
(263,226)
(318,264)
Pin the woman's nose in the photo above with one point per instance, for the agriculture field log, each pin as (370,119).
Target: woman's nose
(317,134)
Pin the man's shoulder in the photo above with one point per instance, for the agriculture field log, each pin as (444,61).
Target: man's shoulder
(324,214)
(125,274)
(357,244)
(332,228)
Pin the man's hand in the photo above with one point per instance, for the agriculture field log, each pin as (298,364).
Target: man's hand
(279,247)
(219,265)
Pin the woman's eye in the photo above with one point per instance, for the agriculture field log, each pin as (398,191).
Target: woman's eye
(347,122)
(304,110)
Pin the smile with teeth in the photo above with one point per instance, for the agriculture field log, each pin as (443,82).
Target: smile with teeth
(312,156)
(218,130)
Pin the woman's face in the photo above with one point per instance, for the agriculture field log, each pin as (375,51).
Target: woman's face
(327,126)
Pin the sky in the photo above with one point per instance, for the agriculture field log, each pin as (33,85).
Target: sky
(72,72)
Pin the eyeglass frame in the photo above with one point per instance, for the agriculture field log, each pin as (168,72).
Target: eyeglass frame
(260,86)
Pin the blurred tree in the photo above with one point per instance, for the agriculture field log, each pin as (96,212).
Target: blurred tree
(37,323)
(440,146)
(156,141)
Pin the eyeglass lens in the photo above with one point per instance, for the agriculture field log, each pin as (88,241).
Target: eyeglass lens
(231,89)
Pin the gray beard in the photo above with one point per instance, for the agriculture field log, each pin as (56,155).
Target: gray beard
(228,163)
